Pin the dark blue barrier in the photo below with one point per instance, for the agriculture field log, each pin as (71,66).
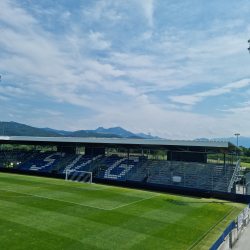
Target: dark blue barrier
(217,244)
(30,172)
(149,186)
(223,236)
(229,228)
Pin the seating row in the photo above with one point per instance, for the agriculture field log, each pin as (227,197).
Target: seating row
(44,161)
(119,168)
(186,174)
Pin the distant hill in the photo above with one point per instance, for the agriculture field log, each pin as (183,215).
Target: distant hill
(14,128)
(17,129)
(124,133)
(84,133)
(61,132)
(147,136)
(202,139)
(117,130)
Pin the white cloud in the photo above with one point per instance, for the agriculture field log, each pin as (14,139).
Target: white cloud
(4,98)
(47,111)
(241,111)
(105,58)
(12,91)
(148,7)
(96,41)
(193,99)
(102,10)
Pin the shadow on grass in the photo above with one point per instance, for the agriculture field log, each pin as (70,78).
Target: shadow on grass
(177,202)
(186,203)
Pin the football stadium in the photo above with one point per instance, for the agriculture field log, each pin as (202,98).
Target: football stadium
(62,198)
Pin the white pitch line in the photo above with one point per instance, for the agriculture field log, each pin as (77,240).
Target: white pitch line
(133,202)
(13,196)
(80,187)
(81,204)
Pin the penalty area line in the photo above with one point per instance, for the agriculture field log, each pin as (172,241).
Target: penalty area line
(39,196)
(133,202)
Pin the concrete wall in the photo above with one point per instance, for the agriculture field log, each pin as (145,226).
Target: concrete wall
(234,236)
(225,244)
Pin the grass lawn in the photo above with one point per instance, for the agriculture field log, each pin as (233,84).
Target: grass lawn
(246,165)
(42,213)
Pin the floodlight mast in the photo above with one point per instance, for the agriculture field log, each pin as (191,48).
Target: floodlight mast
(249,45)
(237,134)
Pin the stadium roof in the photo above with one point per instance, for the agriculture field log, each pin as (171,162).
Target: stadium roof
(174,145)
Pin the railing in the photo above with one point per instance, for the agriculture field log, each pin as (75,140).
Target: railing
(140,170)
(96,164)
(234,176)
(23,162)
(129,174)
(63,164)
(234,230)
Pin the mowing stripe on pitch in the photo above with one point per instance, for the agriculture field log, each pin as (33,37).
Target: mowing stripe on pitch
(39,196)
(81,204)
(133,202)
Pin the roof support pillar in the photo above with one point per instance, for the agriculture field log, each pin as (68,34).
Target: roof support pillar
(225,167)
(91,156)
(127,164)
(171,161)
(127,156)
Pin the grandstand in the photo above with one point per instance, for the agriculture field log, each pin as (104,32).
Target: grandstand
(190,174)
(81,163)
(186,165)
(128,217)
(119,168)
(44,161)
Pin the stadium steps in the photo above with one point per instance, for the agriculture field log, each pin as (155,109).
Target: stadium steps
(63,164)
(97,164)
(44,162)
(161,172)
(16,156)
(81,163)
(141,171)
(194,175)
(116,167)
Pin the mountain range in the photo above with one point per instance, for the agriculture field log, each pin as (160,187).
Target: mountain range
(111,132)
(14,128)
(17,129)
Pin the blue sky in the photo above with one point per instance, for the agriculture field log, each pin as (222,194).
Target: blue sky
(176,69)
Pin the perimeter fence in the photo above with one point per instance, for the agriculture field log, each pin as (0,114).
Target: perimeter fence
(233,231)
(248,183)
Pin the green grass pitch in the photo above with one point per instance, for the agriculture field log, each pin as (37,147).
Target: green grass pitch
(42,213)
